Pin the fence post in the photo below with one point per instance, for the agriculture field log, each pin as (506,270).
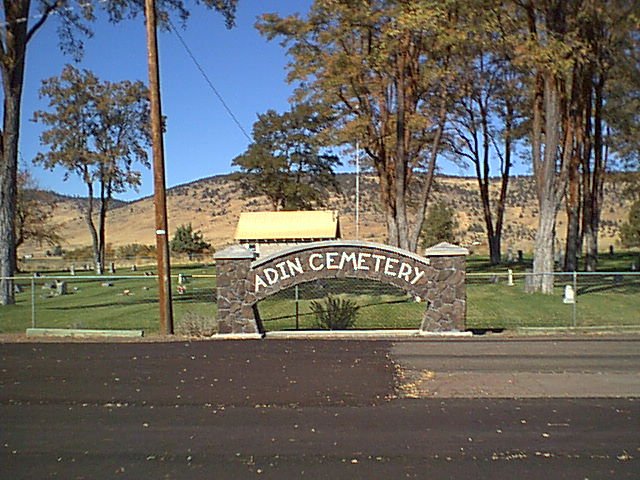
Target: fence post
(575,298)
(33,301)
(297,309)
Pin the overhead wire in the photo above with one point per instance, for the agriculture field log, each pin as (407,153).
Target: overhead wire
(208,81)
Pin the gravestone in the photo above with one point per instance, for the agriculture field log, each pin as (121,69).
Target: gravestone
(520,256)
(509,255)
(134,268)
(72,270)
(61,287)
(510,278)
(569,295)
(112,268)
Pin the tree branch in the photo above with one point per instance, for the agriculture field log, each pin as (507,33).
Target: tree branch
(49,8)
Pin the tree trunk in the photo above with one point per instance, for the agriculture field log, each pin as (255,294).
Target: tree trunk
(593,195)
(546,176)
(95,242)
(102,221)
(573,218)
(504,186)
(495,241)
(543,261)
(573,239)
(12,80)
(414,234)
(401,163)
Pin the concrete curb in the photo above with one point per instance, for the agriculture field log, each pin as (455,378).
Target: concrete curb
(236,336)
(445,334)
(525,331)
(81,332)
(362,334)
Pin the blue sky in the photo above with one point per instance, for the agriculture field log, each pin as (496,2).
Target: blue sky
(201,138)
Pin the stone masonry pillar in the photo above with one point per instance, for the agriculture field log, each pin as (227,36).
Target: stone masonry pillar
(447,310)
(233,267)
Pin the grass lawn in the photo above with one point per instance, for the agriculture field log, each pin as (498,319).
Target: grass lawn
(131,303)
(126,303)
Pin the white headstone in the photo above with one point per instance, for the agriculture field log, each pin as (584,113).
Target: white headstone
(569,294)
(510,277)
(61,287)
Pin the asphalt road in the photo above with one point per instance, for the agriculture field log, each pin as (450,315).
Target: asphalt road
(315,409)
(522,368)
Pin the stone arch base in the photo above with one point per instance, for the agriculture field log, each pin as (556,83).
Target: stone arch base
(438,278)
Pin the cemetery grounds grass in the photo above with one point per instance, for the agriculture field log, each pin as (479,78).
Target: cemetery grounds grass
(131,303)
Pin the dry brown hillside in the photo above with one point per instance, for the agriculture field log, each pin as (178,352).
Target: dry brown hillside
(213,205)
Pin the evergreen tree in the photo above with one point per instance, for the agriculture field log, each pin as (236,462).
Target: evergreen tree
(187,241)
(439,226)
(286,163)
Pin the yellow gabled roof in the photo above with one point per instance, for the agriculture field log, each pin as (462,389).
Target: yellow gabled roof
(320,224)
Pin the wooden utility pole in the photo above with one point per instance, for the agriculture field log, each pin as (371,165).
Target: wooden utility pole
(159,193)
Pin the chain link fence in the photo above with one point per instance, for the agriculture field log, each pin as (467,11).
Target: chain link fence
(106,302)
(495,301)
(113,264)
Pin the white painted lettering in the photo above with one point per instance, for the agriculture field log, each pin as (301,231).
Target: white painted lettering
(361,263)
(405,272)
(379,259)
(315,267)
(271,274)
(389,267)
(331,261)
(283,273)
(295,266)
(348,257)
(260,283)
(418,275)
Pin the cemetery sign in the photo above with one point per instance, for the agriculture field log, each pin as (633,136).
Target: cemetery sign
(437,278)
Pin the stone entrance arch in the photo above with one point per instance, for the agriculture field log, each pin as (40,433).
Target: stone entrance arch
(438,278)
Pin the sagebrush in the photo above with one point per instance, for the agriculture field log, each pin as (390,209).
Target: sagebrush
(335,313)
(196,325)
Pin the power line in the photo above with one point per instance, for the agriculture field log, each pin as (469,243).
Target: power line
(206,78)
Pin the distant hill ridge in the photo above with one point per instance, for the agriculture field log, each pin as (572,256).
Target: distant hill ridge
(213,205)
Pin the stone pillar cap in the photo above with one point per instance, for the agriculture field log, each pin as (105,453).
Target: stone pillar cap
(445,249)
(235,252)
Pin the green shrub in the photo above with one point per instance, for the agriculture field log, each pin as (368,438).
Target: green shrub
(335,313)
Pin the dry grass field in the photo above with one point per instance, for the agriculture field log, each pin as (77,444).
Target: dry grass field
(213,205)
